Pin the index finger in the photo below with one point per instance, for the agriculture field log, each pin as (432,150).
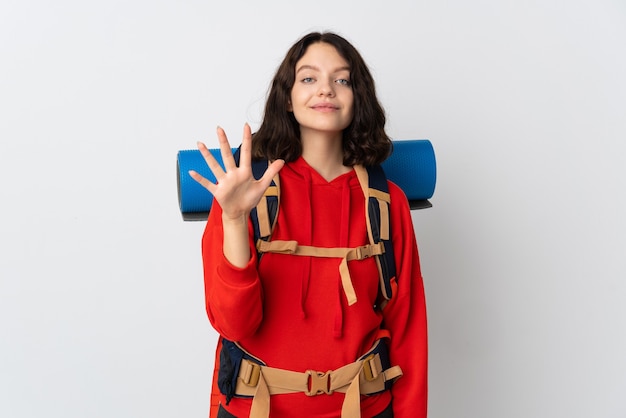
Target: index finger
(210,160)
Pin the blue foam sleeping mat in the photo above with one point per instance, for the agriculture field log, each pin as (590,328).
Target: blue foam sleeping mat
(411,166)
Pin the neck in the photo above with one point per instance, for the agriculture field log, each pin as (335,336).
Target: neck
(324,152)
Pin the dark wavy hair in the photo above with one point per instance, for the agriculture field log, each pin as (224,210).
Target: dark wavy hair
(364,140)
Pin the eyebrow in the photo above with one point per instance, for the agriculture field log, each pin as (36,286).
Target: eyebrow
(313,67)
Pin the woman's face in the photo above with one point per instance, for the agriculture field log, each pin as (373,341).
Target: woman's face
(321,97)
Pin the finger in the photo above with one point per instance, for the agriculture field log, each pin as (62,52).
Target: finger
(272,170)
(215,167)
(203,181)
(225,150)
(245,155)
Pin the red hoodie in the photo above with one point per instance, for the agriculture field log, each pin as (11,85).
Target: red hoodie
(291,311)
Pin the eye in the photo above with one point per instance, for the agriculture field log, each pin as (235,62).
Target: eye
(307,80)
(343,82)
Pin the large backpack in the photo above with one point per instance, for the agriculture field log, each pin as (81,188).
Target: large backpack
(415,159)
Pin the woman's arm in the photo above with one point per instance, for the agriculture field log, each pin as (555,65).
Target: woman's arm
(232,287)
(234,295)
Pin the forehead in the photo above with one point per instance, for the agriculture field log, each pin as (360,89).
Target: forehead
(321,55)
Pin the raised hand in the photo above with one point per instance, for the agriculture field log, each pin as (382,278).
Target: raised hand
(236,190)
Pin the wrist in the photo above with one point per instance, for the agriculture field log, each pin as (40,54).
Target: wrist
(234,220)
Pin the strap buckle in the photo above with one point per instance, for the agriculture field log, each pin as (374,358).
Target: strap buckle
(370,371)
(363,252)
(367,251)
(251,374)
(318,383)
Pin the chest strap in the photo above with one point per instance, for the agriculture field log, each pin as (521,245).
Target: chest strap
(363,377)
(346,254)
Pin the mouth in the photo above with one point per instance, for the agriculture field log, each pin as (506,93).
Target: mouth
(325,107)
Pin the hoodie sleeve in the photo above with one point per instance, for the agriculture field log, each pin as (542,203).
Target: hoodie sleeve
(234,296)
(405,315)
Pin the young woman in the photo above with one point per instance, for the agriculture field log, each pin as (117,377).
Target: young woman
(295,313)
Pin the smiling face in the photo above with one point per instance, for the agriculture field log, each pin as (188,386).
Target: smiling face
(322,98)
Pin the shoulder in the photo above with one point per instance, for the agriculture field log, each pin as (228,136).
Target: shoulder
(399,212)
(399,201)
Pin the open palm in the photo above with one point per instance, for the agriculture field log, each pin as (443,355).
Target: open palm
(236,189)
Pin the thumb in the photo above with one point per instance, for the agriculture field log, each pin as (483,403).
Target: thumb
(273,169)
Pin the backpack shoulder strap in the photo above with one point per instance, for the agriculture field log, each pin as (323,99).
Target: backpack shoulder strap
(264,215)
(377,199)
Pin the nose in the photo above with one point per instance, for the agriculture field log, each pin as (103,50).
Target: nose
(326,89)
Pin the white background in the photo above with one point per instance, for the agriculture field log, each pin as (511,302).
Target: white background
(101,293)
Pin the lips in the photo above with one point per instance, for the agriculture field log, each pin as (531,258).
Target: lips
(324,107)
